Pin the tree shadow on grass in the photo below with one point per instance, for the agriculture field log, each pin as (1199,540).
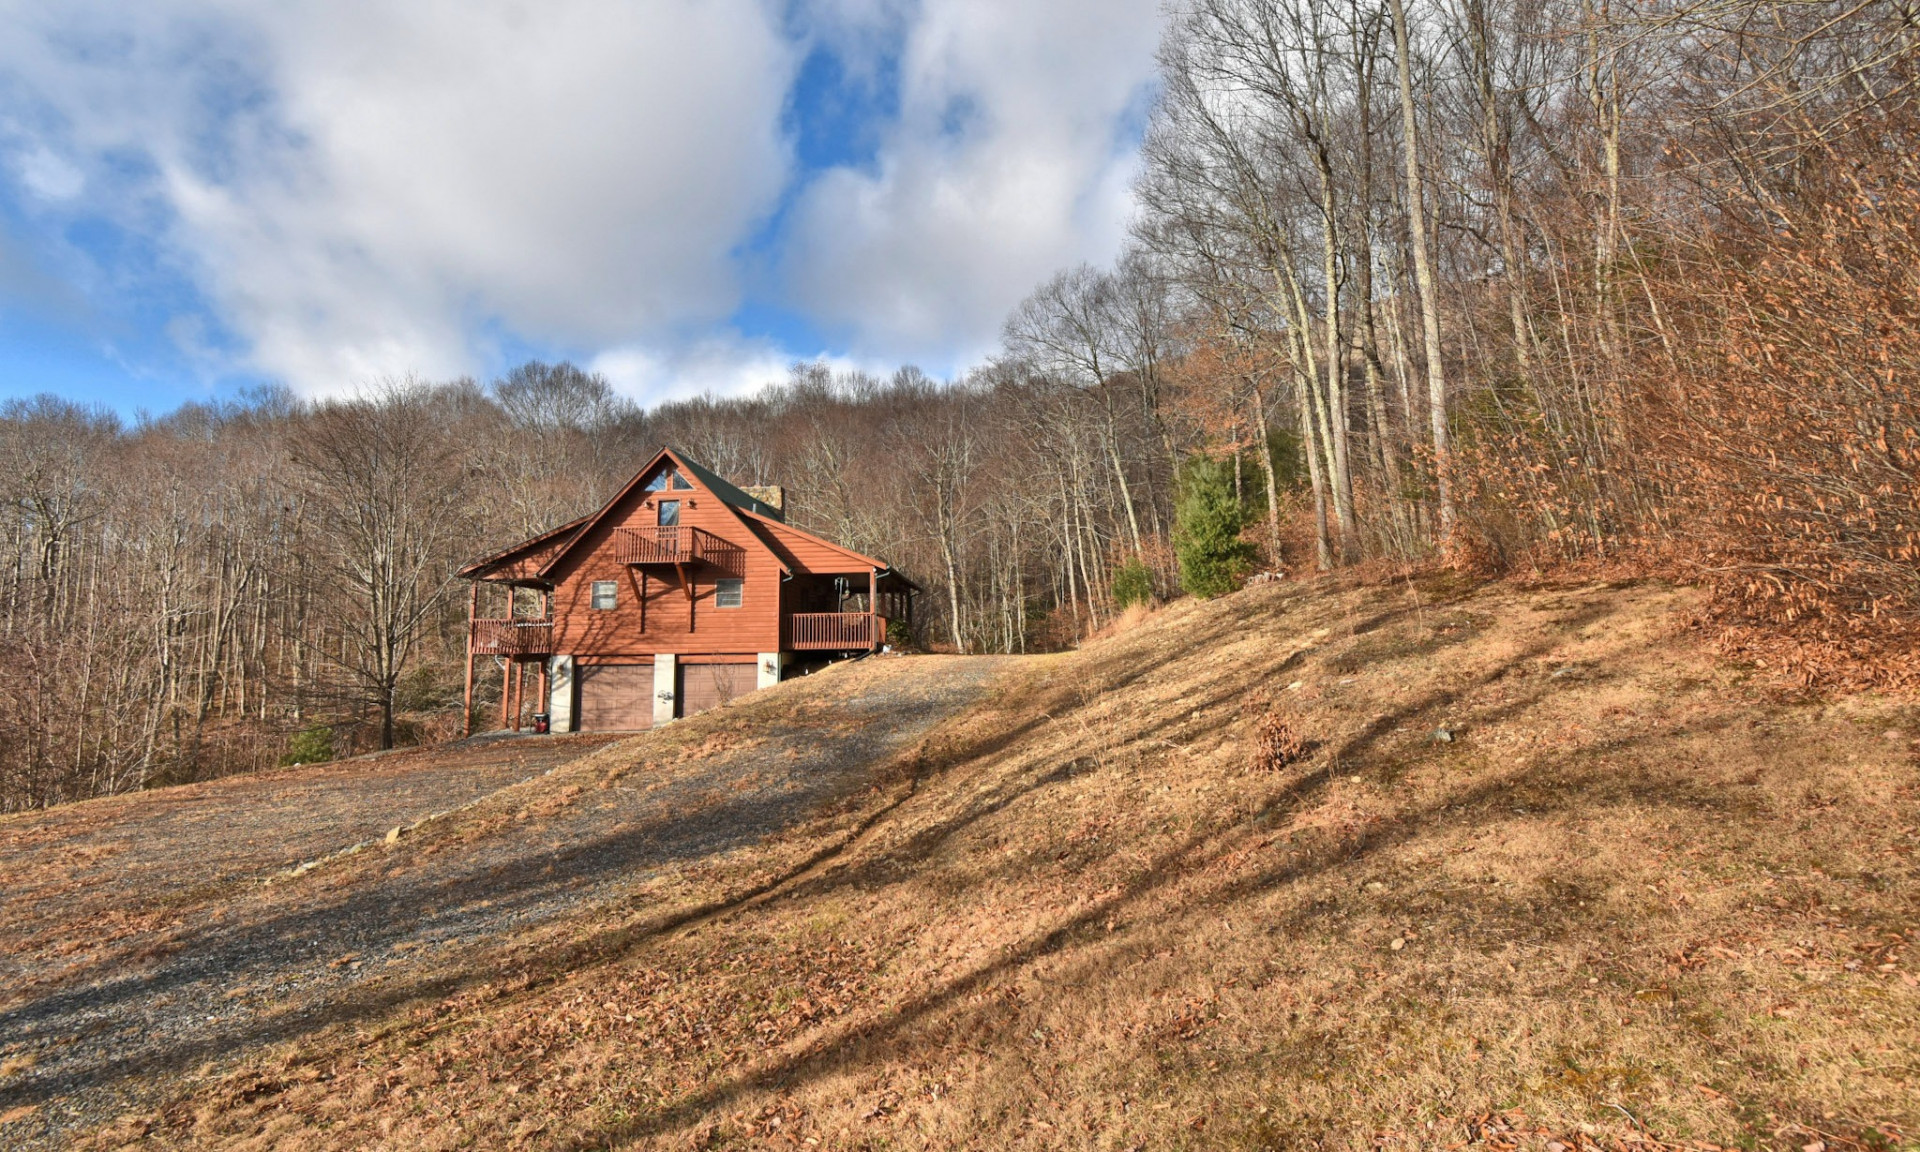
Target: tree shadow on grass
(823,872)
(858,1045)
(863,1044)
(116,1036)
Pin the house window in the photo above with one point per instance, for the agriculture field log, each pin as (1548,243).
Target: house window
(669,513)
(669,478)
(728,593)
(605,595)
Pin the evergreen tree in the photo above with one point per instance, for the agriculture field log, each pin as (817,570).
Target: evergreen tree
(1132,583)
(1208,522)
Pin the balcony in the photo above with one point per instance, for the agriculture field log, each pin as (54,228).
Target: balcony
(513,637)
(675,545)
(837,631)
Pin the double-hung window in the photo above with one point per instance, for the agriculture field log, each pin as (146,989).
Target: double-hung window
(606,594)
(728,593)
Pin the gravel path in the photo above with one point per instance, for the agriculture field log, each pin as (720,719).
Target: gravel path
(171,958)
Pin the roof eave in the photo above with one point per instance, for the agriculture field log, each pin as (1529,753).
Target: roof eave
(863,558)
(478,569)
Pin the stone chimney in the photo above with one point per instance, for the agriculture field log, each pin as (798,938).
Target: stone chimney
(773,496)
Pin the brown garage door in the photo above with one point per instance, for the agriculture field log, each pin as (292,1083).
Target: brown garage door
(616,697)
(704,686)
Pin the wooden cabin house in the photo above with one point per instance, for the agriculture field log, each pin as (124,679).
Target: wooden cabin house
(683,592)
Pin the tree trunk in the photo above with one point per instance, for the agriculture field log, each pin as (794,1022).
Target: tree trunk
(1273,483)
(1336,367)
(1423,276)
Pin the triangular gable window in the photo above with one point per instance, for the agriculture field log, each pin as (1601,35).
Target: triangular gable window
(669,478)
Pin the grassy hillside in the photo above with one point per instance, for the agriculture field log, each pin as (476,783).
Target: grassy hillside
(1632,897)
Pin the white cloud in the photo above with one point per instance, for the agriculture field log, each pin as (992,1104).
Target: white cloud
(719,365)
(655,374)
(357,188)
(1007,164)
(360,187)
(49,176)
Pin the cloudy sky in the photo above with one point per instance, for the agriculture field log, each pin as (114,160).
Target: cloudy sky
(686,194)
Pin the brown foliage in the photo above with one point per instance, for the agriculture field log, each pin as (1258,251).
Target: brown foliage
(1788,427)
(1276,743)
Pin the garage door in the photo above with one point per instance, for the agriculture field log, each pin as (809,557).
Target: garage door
(616,697)
(704,686)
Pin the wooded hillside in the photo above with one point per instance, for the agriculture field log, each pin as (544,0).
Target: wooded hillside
(1528,283)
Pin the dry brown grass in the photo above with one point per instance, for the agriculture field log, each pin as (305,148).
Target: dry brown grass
(1640,899)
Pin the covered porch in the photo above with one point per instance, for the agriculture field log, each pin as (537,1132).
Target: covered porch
(845,611)
(522,638)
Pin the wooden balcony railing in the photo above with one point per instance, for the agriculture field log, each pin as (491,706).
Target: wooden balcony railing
(513,637)
(675,545)
(654,545)
(838,631)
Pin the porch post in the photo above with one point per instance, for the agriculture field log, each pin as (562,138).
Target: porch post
(873,608)
(473,609)
(519,691)
(545,696)
(506,688)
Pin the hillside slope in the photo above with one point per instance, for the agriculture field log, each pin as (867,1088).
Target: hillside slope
(150,941)
(1546,871)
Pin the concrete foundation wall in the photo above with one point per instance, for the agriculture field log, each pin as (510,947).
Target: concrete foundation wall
(664,684)
(561,704)
(772,666)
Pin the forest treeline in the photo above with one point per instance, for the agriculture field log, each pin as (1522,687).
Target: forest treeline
(1509,284)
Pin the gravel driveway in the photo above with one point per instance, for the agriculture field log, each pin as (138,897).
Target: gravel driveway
(139,943)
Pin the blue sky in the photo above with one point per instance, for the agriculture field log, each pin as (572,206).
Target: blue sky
(199,195)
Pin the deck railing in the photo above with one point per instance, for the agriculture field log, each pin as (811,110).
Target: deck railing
(654,545)
(838,631)
(679,544)
(513,637)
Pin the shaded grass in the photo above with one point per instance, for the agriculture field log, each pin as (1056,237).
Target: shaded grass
(1645,903)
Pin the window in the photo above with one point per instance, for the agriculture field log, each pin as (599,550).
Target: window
(669,478)
(669,513)
(605,595)
(728,593)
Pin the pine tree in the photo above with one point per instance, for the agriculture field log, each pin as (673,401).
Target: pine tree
(1208,521)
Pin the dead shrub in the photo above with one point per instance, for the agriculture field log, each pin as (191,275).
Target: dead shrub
(1276,742)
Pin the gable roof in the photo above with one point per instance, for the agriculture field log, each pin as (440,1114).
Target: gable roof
(731,498)
(764,522)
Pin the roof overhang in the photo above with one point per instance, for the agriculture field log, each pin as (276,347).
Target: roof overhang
(487,567)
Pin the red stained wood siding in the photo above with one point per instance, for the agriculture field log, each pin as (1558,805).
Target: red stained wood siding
(652,612)
(666,581)
(525,560)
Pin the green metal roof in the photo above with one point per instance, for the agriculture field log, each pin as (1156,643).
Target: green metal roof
(725,490)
